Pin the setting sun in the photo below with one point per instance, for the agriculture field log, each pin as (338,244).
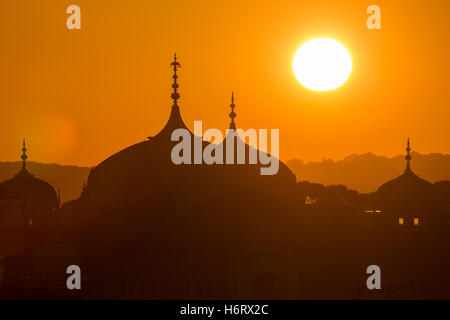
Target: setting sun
(322,64)
(214,159)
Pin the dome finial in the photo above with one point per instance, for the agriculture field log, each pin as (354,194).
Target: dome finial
(408,155)
(232,113)
(24,156)
(175,95)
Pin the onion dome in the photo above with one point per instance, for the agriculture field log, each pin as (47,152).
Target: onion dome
(407,184)
(37,194)
(408,196)
(143,171)
(261,203)
(284,173)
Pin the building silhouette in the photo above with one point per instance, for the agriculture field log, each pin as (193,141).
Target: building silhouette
(410,201)
(145,228)
(29,224)
(199,219)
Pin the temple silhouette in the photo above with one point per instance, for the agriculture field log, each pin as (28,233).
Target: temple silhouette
(145,228)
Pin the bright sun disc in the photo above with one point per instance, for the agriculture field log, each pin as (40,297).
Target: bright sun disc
(322,64)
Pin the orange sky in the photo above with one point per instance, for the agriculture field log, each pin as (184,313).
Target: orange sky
(79,96)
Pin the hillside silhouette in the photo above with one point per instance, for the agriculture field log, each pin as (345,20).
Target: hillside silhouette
(144,226)
(366,172)
(363,173)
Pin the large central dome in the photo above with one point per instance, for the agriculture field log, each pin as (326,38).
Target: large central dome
(142,179)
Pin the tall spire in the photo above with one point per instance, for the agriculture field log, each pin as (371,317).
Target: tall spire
(175,95)
(408,156)
(175,121)
(24,156)
(232,113)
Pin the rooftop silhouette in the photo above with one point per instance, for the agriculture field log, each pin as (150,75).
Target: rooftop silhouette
(166,231)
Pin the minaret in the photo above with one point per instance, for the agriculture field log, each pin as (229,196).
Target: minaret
(408,156)
(175,95)
(24,156)
(232,113)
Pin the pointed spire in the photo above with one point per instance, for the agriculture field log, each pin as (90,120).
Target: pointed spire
(408,156)
(24,156)
(232,113)
(175,121)
(175,95)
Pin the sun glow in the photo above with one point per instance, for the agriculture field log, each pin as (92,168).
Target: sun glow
(322,64)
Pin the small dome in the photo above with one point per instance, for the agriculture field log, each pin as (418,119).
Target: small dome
(409,196)
(406,187)
(38,195)
(38,192)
